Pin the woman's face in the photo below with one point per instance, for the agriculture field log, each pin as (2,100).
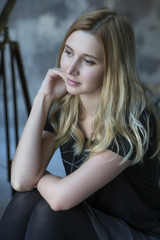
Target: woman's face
(82,64)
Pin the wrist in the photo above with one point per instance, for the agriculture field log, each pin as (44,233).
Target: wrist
(45,179)
(44,101)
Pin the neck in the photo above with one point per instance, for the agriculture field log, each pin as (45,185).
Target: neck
(90,104)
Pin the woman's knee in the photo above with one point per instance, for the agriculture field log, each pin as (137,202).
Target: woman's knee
(59,224)
(44,214)
(29,198)
(64,220)
(28,194)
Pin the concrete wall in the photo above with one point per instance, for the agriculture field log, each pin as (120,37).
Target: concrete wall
(39,27)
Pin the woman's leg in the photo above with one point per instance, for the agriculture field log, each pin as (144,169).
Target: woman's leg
(14,221)
(72,224)
(29,217)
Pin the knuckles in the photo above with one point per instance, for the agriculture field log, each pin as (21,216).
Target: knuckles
(54,72)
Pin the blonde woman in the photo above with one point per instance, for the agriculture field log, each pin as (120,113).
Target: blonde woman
(94,108)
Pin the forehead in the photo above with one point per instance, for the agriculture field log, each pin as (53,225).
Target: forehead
(85,43)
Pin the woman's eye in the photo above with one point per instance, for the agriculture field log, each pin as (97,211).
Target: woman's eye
(89,62)
(68,52)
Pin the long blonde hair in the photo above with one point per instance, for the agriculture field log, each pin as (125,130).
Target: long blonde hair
(122,99)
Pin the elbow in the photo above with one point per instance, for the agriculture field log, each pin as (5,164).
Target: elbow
(21,183)
(20,186)
(59,207)
(55,207)
(60,203)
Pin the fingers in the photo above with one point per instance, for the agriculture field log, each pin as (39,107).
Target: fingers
(55,73)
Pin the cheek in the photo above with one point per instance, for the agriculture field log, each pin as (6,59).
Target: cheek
(62,61)
(100,74)
(96,77)
(101,77)
(62,66)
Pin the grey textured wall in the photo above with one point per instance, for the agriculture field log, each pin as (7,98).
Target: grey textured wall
(39,27)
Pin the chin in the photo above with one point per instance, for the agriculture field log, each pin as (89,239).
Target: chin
(73,91)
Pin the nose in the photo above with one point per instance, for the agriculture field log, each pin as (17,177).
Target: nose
(73,68)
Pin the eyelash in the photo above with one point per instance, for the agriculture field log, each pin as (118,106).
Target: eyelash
(88,62)
(67,52)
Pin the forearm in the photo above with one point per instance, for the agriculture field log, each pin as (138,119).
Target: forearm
(35,149)
(49,188)
(27,162)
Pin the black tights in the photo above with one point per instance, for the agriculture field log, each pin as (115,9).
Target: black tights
(29,217)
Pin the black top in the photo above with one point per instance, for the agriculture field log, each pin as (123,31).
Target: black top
(134,195)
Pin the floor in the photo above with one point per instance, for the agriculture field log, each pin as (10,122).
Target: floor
(55,167)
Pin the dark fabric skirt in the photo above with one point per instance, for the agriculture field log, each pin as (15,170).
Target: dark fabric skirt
(110,228)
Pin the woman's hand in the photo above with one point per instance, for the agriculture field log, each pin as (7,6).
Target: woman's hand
(53,85)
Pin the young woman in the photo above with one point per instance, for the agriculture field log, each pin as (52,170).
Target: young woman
(109,141)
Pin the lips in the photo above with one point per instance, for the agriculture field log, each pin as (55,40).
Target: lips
(72,83)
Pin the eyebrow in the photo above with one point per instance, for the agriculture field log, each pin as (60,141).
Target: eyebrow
(85,54)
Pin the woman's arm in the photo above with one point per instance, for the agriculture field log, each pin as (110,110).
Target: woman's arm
(27,164)
(36,146)
(98,170)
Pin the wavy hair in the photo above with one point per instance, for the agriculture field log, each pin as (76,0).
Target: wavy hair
(122,100)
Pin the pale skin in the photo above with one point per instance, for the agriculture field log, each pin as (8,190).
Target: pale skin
(81,73)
